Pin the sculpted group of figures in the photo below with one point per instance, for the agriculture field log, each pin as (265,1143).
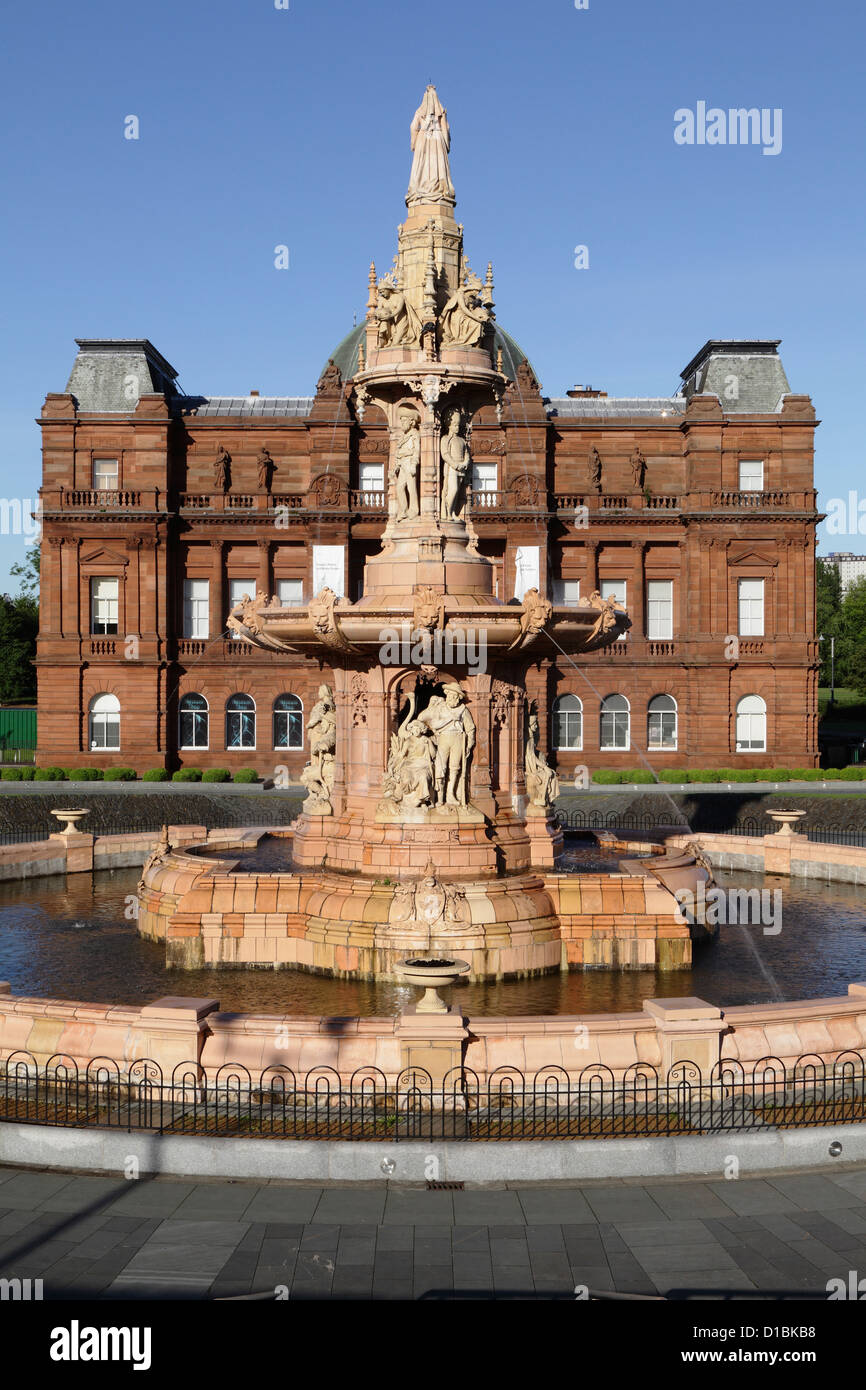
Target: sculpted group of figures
(455,460)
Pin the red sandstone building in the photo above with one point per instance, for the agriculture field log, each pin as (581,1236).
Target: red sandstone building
(160,510)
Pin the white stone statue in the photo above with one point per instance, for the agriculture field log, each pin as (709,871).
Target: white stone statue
(395,316)
(464,317)
(407,459)
(409,780)
(453,729)
(542,783)
(431,140)
(455,467)
(318,775)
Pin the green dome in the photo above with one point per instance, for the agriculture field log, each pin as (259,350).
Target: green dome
(345,354)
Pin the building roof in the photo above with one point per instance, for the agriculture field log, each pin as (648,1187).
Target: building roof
(595,406)
(745,373)
(252,407)
(345,354)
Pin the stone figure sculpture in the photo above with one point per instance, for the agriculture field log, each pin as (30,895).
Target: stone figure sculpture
(396,317)
(409,780)
(265,469)
(595,468)
(464,318)
(431,141)
(607,611)
(454,452)
(453,729)
(428,764)
(439,907)
(318,775)
(407,459)
(221,470)
(542,783)
(638,469)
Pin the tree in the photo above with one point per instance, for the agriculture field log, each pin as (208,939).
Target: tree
(19,624)
(28,573)
(828,612)
(852,639)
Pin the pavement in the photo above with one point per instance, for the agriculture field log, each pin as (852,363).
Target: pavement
(103,1237)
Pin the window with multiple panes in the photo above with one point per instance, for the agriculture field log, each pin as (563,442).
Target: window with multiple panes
(485,478)
(196,608)
(751,725)
(615,722)
(660,609)
(240,722)
(237,589)
(193,722)
(106,474)
(104,724)
(566,591)
(372,477)
(568,722)
(750,607)
(288,722)
(618,589)
(290,592)
(751,475)
(662,722)
(104,605)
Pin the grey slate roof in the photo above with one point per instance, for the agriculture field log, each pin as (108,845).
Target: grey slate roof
(746,374)
(109,374)
(251,407)
(604,406)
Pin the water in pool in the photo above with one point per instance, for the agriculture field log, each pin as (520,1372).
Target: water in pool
(67,938)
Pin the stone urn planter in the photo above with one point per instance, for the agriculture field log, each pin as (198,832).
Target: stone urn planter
(69,819)
(785,820)
(432,974)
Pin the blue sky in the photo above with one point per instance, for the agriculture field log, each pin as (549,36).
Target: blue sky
(261,127)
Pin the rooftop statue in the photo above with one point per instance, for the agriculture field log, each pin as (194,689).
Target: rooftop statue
(431,141)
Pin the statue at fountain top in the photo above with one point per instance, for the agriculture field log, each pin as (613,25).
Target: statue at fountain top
(430,140)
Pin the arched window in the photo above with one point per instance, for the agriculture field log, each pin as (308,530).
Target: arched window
(288,722)
(567,722)
(661,723)
(240,721)
(193,722)
(104,724)
(751,725)
(615,722)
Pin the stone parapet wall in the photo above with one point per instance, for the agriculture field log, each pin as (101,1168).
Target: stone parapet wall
(779,854)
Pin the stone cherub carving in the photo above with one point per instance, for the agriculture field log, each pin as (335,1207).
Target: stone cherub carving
(318,775)
(431,140)
(407,460)
(542,783)
(464,318)
(396,316)
(222,470)
(454,452)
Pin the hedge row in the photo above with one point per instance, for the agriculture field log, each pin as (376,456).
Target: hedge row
(607,776)
(125,774)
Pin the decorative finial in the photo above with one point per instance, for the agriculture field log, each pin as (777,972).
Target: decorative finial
(487,297)
(362,358)
(371,295)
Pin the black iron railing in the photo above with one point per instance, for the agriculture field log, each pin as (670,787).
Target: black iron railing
(551,1104)
(666,820)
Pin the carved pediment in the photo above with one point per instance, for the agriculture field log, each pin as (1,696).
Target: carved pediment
(103,556)
(753,557)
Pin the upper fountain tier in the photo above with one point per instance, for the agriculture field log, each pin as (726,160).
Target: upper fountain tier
(428,363)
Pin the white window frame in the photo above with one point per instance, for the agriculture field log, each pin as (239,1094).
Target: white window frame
(196,608)
(104,603)
(193,747)
(485,480)
(617,715)
(293,598)
(750,608)
(567,592)
(286,714)
(661,715)
(566,715)
(618,589)
(660,610)
(371,477)
(755,745)
(101,487)
(103,719)
(241,747)
(751,475)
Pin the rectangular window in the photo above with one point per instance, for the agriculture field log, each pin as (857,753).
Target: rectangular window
(660,609)
(329,569)
(105,475)
(237,589)
(372,477)
(750,607)
(196,608)
(614,729)
(566,591)
(751,475)
(485,479)
(290,592)
(526,570)
(104,604)
(618,589)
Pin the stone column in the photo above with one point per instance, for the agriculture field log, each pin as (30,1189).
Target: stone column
(217,605)
(689,1030)
(637,608)
(432,1043)
(263,580)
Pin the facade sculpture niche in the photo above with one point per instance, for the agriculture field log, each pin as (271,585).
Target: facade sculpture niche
(318,775)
